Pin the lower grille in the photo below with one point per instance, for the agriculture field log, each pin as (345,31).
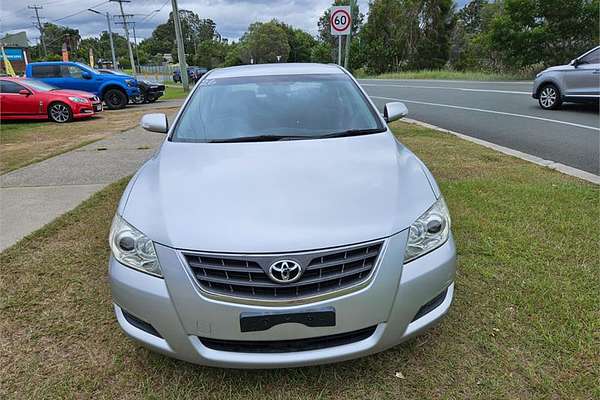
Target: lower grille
(288,346)
(246,276)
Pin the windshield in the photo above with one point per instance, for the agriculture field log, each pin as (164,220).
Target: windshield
(285,106)
(39,85)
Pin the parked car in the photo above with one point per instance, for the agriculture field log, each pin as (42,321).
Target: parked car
(114,90)
(194,74)
(280,224)
(576,82)
(149,91)
(33,99)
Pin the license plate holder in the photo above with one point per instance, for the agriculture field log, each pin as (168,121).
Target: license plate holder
(261,321)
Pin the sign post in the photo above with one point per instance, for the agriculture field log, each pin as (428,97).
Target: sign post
(340,20)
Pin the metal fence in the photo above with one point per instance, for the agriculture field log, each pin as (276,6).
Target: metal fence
(159,73)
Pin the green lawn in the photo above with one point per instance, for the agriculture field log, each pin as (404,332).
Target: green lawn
(447,75)
(525,323)
(174,92)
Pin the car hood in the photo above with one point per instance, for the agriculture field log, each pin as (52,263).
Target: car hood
(68,92)
(266,197)
(558,68)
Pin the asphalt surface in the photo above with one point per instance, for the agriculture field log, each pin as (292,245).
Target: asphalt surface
(502,113)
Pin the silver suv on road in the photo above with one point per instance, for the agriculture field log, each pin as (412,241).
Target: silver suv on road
(280,224)
(577,82)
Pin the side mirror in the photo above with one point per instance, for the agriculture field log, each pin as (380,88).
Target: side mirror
(155,123)
(574,62)
(394,111)
(86,75)
(24,92)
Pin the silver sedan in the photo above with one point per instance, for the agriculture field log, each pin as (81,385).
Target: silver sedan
(280,224)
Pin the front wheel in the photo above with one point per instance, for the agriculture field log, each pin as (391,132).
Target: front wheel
(60,112)
(549,97)
(115,99)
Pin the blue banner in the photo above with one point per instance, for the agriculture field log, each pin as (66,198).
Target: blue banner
(14,54)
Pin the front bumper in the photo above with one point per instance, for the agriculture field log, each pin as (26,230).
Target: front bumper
(182,314)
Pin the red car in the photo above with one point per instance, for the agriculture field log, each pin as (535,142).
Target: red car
(32,99)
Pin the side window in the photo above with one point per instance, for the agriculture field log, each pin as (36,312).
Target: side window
(10,87)
(45,71)
(591,58)
(74,72)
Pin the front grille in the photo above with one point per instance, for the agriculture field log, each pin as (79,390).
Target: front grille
(245,276)
(288,346)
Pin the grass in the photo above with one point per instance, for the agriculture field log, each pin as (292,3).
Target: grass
(447,75)
(525,323)
(23,142)
(174,92)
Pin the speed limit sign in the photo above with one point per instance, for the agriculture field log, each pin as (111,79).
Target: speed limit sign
(340,20)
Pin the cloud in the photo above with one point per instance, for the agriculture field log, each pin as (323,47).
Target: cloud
(231,16)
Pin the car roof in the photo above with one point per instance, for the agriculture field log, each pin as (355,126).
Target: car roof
(274,69)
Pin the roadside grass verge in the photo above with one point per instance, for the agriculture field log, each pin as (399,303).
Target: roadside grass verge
(446,74)
(174,92)
(525,321)
(23,142)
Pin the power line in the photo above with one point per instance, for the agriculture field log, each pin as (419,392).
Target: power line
(79,12)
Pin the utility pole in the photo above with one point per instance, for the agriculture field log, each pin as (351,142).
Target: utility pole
(180,48)
(137,54)
(124,18)
(112,45)
(36,8)
(353,6)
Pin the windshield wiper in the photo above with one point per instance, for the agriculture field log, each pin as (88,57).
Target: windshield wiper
(274,138)
(258,138)
(351,132)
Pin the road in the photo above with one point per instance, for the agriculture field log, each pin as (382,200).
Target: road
(502,113)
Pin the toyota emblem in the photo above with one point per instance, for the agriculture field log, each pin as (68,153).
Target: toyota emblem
(285,271)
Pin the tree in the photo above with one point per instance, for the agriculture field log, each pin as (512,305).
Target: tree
(546,32)
(193,29)
(55,36)
(264,43)
(301,43)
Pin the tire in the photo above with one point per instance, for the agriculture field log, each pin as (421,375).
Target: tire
(115,99)
(549,98)
(60,113)
(139,99)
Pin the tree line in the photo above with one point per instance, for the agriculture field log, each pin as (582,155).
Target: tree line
(519,36)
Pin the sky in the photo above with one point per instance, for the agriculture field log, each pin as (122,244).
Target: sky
(231,16)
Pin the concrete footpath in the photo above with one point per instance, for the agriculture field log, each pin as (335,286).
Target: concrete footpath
(35,195)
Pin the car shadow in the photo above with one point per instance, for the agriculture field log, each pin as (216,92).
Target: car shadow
(589,108)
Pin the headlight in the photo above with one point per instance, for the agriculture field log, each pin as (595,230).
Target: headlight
(131,82)
(429,231)
(132,248)
(78,99)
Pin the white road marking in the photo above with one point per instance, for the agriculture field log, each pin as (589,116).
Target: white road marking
(594,128)
(451,81)
(565,169)
(449,88)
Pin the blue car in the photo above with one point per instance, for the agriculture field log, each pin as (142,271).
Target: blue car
(114,90)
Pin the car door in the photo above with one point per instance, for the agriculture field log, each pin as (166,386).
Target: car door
(78,78)
(584,79)
(14,103)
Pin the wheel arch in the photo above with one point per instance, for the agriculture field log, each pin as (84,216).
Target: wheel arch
(110,86)
(550,81)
